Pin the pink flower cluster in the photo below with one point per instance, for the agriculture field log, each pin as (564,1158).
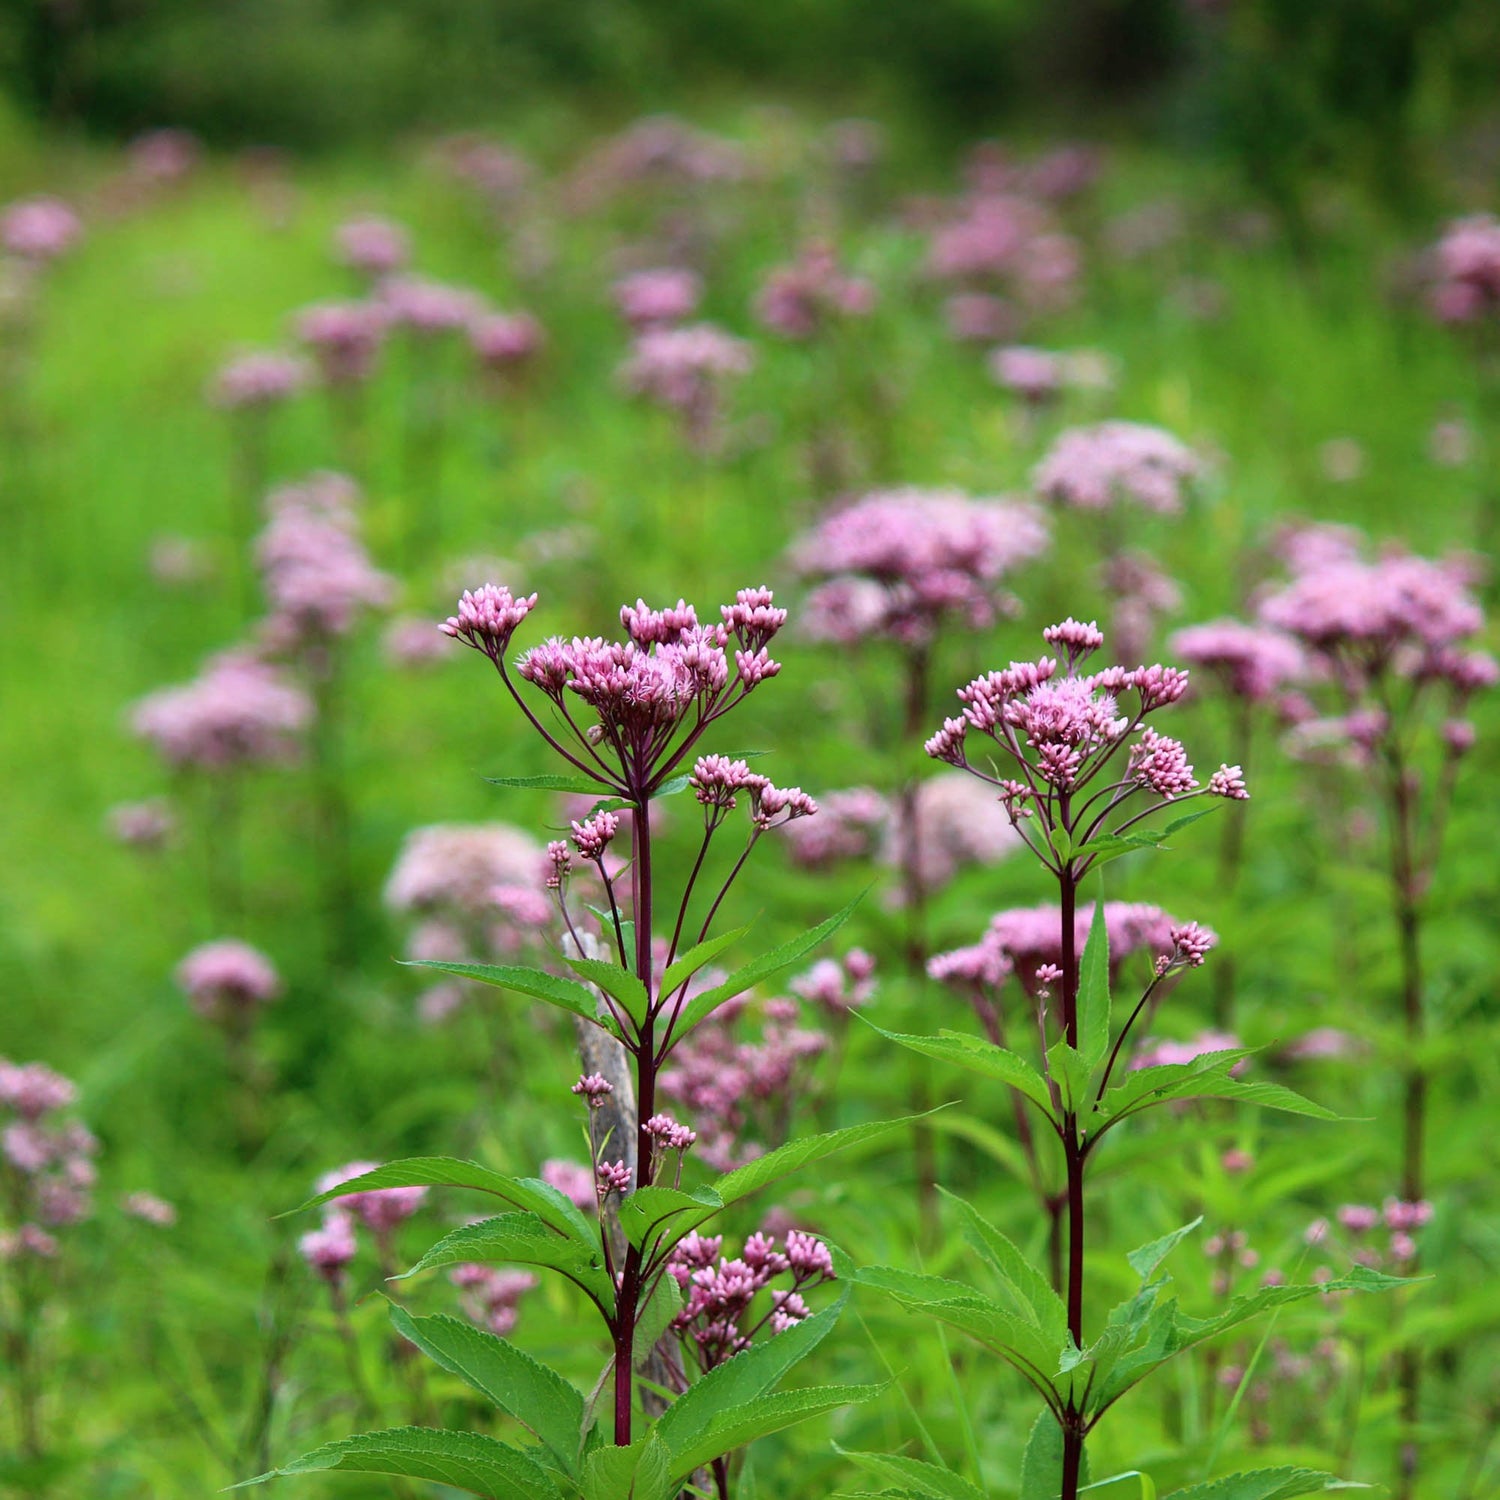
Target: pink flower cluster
(1093,468)
(39,229)
(718,1292)
(331,1248)
(506,342)
(258,380)
(344,339)
(898,563)
(1040,376)
(490,1296)
(849,826)
(1400,1218)
(838,985)
(1006,239)
(798,300)
(658,152)
(372,246)
(741,1093)
(227,981)
(315,572)
(658,298)
(686,369)
(52,1159)
(1465,270)
(240,711)
(1251,662)
(425,308)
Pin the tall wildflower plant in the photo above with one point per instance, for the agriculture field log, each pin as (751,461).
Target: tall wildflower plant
(629,720)
(1391,639)
(1079,764)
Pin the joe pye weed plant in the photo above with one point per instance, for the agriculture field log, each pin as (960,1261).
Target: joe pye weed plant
(1080,769)
(628,718)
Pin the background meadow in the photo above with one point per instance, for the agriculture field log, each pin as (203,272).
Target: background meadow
(1270,309)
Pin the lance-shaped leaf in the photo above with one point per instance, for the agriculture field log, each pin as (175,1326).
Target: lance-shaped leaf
(738,1425)
(652,1208)
(1034,1353)
(640,1472)
(685,965)
(1041,1463)
(1206,1077)
(565,994)
(1072,1074)
(1108,846)
(618,983)
(743,1379)
(584,785)
(916,1477)
(461,1460)
(759,969)
(1147,1258)
(978,1056)
(1265,1484)
(523,1239)
(1033,1292)
(1093,992)
(655,1316)
(528,1193)
(534,1394)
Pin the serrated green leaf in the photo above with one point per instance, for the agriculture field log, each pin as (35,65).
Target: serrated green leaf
(523,1239)
(617,982)
(744,1378)
(611,1473)
(1093,992)
(1206,1077)
(1033,1292)
(653,1319)
(673,787)
(554,989)
(919,1477)
(685,965)
(1264,1484)
(758,969)
(1147,1258)
(540,1198)
(651,1208)
(978,1056)
(1041,1463)
(585,785)
(461,1460)
(1072,1074)
(534,1394)
(738,1425)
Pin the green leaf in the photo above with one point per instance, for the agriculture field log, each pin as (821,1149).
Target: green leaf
(796,1154)
(1145,1485)
(1265,1484)
(587,785)
(685,965)
(918,1477)
(639,1472)
(653,1320)
(522,1387)
(1145,1260)
(1206,1077)
(1093,992)
(733,1428)
(759,969)
(673,787)
(1108,846)
(1041,1463)
(978,1056)
(617,982)
(566,994)
(540,1198)
(461,1460)
(650,1208)
(523,1239)
(1062,843)
(1071,1072)
(1033,1291)
(744,1378)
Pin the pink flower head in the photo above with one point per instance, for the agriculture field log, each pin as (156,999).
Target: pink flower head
(797,300)
(1228,782)
(344,338)
(899,563)
(39,229)
(592,836)
(373,246)
(487,619)
(1252,662)
(960,822)
(143,825)
(668,1133)
(227,978)
(1093,468)
(1161,765)
(595,1088)
(379,1209)
(572,1179)
(658,298)
(456,867)
(329,1250)
(506,342)
(32,1090)
(849,826)
(1358,1218)
(612,1177)
(686,369)
(425,308)
(258,380)
(149,1209)
(1465,270)
(838,987)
